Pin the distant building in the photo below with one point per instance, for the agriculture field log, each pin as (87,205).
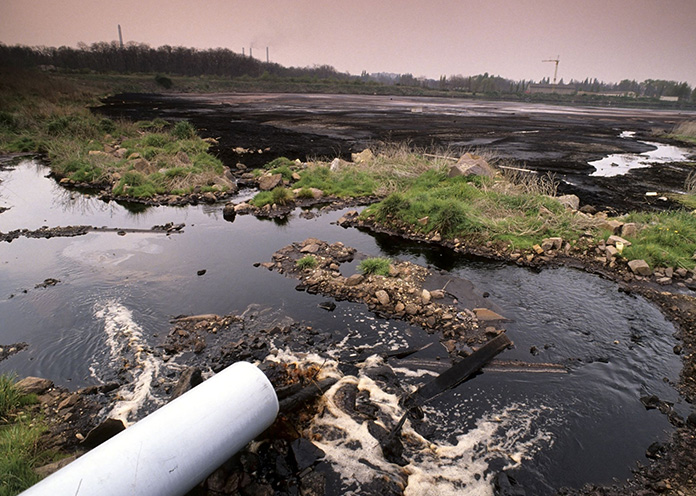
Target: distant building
(558,89)
(621,94)
(669,98)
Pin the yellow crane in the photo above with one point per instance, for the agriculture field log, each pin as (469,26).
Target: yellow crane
(555,72)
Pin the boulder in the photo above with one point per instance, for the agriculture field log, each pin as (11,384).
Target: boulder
(103,432)
(209,197)
(119,153)
(310,248)
(400,307)
(34,385)
(610,251)
(190,378)
(382,296)
(471,165)
(569,201)
(640,267)
(242,208)
(425,296)
(269,181)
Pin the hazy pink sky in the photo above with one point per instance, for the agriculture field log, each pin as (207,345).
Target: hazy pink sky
(607,39)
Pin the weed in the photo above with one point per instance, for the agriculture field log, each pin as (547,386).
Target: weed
(163,81)
(377,265)
(306,262)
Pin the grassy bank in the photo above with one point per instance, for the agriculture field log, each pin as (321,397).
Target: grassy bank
(50,115)
(512,212)
(20,430)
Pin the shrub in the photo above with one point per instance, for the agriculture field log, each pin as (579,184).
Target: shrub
(450,218)
(377,265)
(156,140)
(106,125)
(391,206)
(307,262)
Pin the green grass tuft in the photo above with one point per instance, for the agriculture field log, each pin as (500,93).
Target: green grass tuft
(306,262)
(378,265)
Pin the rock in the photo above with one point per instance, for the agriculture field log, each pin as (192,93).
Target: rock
(629,230)
(423,220)
(364,156)
(34,385)
(97,153)
(471,165)
(399,307)
(119,153)
(229,212)
(552,244)
(612,225)
(310,248)
(243,208)
(538,249)
(611,251)
(354,280)
(411,309)
(640,267)
(681,272)
(588,209)
(691,420)
(141,165)
(269,181)
(382,296)
(190,378)
(436,238)
(305,453)
(613,240)
(209,197)
(295,176)
(437,294)
(328,305)
(103,432)
(425,296)
(486,315)
(669,272)
(569,201)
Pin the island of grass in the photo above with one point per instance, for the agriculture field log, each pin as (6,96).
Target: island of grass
(502,212)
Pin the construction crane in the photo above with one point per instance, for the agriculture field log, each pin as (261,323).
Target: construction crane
(555,73)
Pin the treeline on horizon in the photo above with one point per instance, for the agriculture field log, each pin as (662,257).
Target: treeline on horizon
(103,57)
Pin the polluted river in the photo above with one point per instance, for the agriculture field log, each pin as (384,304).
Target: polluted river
(89,304)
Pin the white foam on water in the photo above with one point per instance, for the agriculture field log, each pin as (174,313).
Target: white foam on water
(510,434)
(127,348)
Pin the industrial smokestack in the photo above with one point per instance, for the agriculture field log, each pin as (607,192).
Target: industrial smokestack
(267,58)
(120,37)
(243,54)
(251,55)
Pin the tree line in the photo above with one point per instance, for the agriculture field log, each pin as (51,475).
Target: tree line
(141,58)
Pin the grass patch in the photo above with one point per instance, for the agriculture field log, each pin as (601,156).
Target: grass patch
(306,262)
(666,239)
(377,265)
(49,113)
(19,440)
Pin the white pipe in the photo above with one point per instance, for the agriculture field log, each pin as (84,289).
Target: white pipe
(171,450)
